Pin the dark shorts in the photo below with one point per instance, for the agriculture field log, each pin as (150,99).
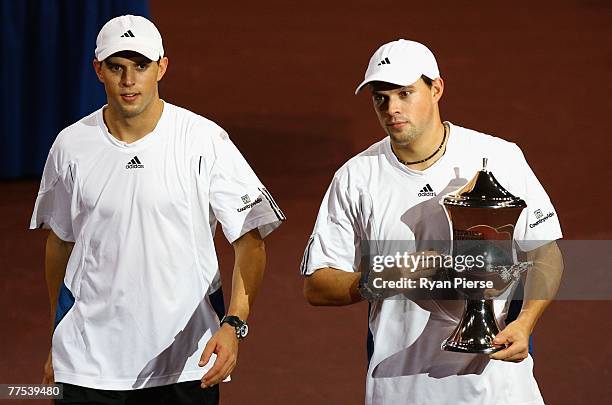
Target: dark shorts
(185,393)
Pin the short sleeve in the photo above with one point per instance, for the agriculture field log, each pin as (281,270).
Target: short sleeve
(335,241)
(52,209)
(238,199)
(538,223)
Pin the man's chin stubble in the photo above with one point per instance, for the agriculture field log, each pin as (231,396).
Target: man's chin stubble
(403,139)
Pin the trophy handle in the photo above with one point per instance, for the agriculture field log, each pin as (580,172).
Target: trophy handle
(512,272)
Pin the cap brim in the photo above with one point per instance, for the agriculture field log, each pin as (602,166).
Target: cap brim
(144,50)
(405,80)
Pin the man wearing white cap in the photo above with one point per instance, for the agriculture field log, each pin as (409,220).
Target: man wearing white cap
(132,195)
(392,192)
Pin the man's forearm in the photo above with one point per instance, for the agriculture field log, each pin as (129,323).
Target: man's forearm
(334,287)
(57,253)
(542,282)
(249,266)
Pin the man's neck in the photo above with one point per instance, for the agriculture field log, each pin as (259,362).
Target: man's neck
(131,129)
(431,140)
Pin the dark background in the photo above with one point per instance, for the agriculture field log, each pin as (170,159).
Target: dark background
(280,76)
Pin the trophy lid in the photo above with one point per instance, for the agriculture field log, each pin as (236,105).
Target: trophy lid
(484,191)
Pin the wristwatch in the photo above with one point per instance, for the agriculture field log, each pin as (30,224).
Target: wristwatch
(242,329)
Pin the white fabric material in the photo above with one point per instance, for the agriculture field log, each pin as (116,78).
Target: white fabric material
(129,33)
(375,197)
(142,216)
(400,62)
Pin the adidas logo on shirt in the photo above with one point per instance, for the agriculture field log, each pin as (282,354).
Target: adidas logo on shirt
(134,164)
(128,34)
(426,191)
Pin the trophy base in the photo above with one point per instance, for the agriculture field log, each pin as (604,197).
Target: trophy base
(460,347)
(476,330)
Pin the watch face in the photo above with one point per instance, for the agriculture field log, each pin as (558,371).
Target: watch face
(243,331)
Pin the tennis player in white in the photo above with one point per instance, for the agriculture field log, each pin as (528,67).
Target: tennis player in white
(392,192)
(132,195)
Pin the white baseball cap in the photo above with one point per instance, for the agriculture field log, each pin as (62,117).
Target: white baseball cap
(400,62)
(129,33)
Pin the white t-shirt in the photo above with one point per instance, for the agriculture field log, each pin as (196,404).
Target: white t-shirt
(135,308)
(374,197)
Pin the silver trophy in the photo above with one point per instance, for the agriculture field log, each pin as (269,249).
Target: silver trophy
(483,215)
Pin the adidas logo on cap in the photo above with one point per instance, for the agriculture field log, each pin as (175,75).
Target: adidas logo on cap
(426,191)
(385,61)
(134,164)
(128,34)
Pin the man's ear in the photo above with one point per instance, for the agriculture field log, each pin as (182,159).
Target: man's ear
(437,89)
(97,65)
(163,66)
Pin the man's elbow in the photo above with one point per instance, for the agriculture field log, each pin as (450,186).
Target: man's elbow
(312,294)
